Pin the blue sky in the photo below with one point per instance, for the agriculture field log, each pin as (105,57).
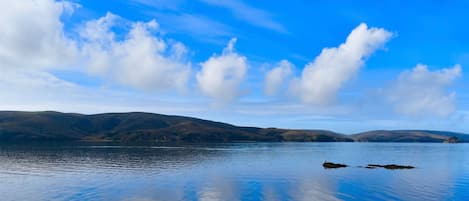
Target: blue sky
(338,65)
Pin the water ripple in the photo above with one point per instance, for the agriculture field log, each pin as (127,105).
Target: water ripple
(252,171)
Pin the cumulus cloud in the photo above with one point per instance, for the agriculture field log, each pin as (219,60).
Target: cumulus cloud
(325,76)
(221,75)
(32,35)
(423,92)
(276,77)
(141,60)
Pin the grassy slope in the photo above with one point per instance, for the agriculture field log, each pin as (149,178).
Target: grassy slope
(148,127)
(408,136)
(144,127)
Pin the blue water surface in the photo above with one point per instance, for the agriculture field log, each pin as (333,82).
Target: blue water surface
(234,171)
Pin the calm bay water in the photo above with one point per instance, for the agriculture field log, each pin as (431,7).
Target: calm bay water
(251,171)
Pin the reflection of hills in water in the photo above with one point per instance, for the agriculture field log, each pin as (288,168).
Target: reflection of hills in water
(79,158)
(147,127)
(232,171)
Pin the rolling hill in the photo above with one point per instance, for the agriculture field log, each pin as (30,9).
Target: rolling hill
(141,127)
(408,136)
(148,127)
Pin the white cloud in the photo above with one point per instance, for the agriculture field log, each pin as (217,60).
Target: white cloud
(32,35)
(99,31)
(221,76)
(34,45)
(249,14)
(12,80)
(198,27)
(423,92)
(160,4)
(276,77)
(28,90)
(322,79)
(141,60)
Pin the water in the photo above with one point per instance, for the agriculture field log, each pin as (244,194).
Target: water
(252,171)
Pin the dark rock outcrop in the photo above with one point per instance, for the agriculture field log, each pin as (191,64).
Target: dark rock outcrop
(329,165)
(389,167)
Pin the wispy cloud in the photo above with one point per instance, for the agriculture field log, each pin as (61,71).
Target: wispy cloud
(197,26)
(174,19)
(160,4)
(251,15)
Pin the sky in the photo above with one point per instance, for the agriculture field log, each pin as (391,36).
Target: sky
(336,65)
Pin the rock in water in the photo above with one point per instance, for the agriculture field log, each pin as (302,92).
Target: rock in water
(328,165)
(390,167)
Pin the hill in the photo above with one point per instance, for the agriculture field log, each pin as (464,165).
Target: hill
(148,127)
(408,136)
(142,127)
